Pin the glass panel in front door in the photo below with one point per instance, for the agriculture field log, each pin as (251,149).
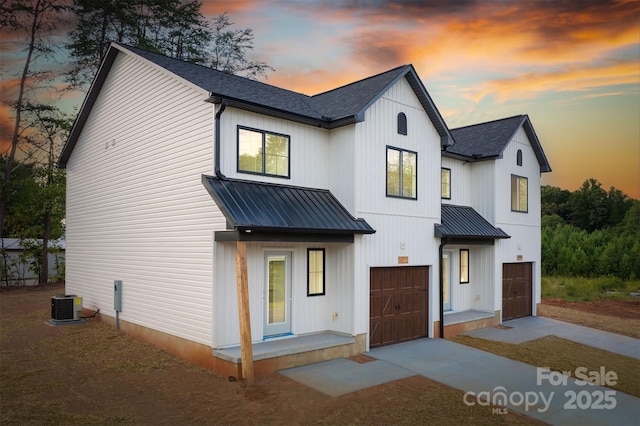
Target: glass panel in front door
(446,281)
(278,289)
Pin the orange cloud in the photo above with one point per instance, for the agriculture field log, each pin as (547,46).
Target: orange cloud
(218,7)
(573,78)
(441,37)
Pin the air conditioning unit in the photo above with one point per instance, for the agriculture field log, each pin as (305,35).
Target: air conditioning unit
(66,307)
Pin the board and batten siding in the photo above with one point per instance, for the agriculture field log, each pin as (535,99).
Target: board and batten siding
(461,181)
(524,228)
(308,145)
(309,314)
(136,208)
(404,227)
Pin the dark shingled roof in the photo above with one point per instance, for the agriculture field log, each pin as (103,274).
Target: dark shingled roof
(267,207)
(465,222)
(342,106)
(489,140)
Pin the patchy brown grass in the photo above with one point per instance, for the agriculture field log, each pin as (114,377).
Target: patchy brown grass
(564,355)
(94,374)
(615,316)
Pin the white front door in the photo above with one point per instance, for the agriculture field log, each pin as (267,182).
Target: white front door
(277,318)
(446,280)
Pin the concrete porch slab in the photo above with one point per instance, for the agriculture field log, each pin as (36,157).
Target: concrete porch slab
(465,316)
(286,346)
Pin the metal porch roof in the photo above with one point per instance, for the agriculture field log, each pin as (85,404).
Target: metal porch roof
(266,207)
(464,222)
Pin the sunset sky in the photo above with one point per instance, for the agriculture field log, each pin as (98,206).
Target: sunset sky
(572,65)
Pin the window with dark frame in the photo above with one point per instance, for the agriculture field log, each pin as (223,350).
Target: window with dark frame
(402,173)
(519,157)
(446,183)
(402,123)
(464,266)
(316,272)
(519,197)
(263,153)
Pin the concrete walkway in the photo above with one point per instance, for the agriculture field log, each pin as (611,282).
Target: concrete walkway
(547,396)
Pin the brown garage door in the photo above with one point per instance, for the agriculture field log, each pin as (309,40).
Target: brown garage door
(516,290)
(398,304)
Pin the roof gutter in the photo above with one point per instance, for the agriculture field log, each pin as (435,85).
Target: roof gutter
(223,106)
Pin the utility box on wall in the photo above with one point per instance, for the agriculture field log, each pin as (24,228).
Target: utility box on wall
(67,307)
(117,295)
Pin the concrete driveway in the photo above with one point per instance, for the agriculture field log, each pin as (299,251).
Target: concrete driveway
(548,396)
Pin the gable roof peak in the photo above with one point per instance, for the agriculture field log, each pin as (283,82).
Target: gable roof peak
(488,140)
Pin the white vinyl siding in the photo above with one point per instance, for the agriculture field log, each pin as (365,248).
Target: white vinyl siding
(524,229)
(309,314)
(136,208)
(404,227)
(460,182)
(309,163)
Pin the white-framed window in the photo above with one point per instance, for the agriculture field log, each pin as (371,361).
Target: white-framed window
(464,266)
(263,153)
(446,183)
(402,173)
(316,272)
(519,197)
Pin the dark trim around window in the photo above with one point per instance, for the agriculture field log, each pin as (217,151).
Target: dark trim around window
(519,157)
(442,187)
(517,204)
(464,268)
(263,167)
(313,274)
(400,174)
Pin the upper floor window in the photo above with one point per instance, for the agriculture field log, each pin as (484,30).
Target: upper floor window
(519,157)
(263,152)
(402,172)
(446,183)
(402,123)
(519,198)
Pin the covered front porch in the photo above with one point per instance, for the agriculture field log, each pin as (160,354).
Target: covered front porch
(293,298)
(467,271)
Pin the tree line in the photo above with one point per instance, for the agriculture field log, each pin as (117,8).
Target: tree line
(64,43)
(590,232)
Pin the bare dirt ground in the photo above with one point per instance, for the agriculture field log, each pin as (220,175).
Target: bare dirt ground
(614,315)
(92,373)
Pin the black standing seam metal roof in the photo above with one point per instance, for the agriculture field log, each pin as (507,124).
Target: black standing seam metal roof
(489,140)
(334,108)
(465,222)
(268,207)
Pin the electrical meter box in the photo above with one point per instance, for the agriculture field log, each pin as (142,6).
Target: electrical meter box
(117,295)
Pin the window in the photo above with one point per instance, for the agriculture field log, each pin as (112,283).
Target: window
(263,152)
(519,194)
(446,183)
(464,266)
(519,157)
(315,267)
(401,173)
(402,123)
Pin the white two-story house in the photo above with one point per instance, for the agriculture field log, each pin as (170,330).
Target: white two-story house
(367,221)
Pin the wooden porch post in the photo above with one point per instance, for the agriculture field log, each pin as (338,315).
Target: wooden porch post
(246,350)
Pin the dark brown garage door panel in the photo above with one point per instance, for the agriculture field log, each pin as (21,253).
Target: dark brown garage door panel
(517,286)
(398,304)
